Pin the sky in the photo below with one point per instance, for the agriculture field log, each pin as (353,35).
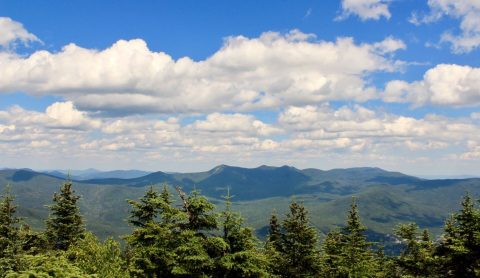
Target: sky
(188,85)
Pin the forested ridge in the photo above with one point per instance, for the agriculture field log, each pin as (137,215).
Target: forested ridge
(194,240)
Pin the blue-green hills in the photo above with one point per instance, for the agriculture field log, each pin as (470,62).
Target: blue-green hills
(385,198)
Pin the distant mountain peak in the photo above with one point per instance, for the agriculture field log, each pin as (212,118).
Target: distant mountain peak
(219,168)
(265,167)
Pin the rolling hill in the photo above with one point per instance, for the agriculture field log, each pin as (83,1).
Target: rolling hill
(385,198)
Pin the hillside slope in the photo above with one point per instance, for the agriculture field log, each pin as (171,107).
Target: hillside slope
(385,198)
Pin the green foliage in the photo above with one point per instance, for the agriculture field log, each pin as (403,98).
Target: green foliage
(347,253)
(200,212)
(297,253)
(190,239)
(240,258)
(9,234)
(65,224)
(48,265)
(153,243)
(326,194)
(170,242)
(32,242)
(146,210)
(416,258)
(332,254)
(357,258)
(94,257)
(274,232)
(460,247)
(193,259)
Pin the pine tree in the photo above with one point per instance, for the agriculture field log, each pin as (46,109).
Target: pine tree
(299,244)
(9,234)
(460,247)
(357,258)
(65,224)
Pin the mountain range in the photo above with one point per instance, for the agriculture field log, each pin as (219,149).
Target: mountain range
(385,198)
(96,174)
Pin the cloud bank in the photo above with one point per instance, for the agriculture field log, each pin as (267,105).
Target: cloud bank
(279,98)
(246,74)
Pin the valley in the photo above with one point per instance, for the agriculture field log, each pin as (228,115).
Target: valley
(385,198)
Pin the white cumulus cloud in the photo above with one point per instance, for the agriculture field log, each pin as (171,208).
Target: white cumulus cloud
(245,74)
(12,31)
(445,84)
(234,123)
(467,11)
(365,9)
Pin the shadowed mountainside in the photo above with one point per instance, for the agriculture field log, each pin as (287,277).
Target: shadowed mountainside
(385,198)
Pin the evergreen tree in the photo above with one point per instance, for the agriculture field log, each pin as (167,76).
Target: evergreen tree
(169,242)
(193,258)
(153,243)
(416,258)
(385,265)
(146,210)
(298,244)
(274,232)
(460,247)
(273,246)
(9,234)
(31,242)
(198,248)
(357,259)
(200,212)
(168,212)
(65,224)
(240,258)
(331,254)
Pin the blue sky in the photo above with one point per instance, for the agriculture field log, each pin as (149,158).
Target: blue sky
(187,85)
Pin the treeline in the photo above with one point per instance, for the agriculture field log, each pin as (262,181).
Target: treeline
(193,240)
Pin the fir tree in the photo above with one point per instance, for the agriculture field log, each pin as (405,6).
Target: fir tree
(460,247)
(357,258)
(65,224)
(9,234)
(240,258)
(331,254)
(416,258)
(168,242)
(298,244)
(153,243)
(274,231)
(32,242)
(200,212)
(273,246)
(146,210)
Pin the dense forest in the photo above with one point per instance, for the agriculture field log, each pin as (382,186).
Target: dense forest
(183,235)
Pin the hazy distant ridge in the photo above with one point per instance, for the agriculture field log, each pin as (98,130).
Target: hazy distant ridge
(385,198)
